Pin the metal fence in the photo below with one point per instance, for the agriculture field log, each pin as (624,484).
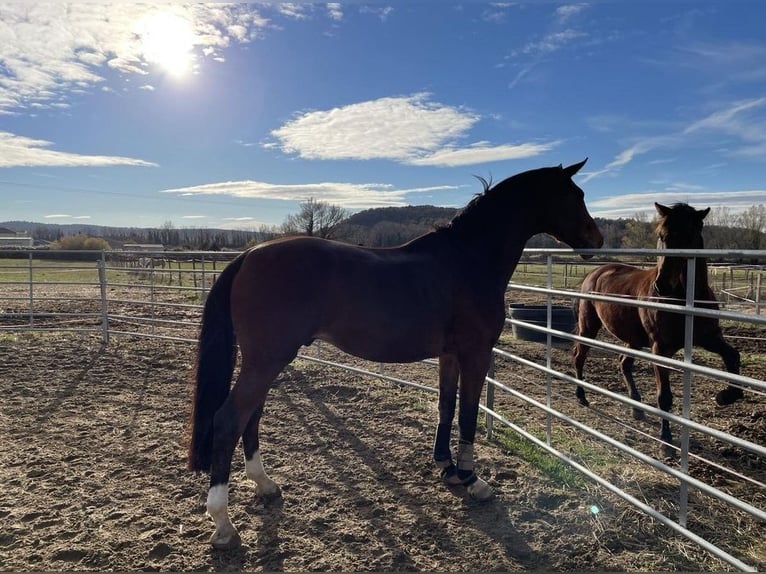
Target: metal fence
(160,295)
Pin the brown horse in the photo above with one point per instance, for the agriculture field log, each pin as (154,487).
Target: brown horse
(440,295)
(678,227)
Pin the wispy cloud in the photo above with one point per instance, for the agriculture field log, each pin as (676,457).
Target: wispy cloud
(410,130)
(567,11)
(483,153)
(743,61)
(553,42)
(65,216)
(349,195)
(535,52)
(382,12)
(743,121)
(19,151)
(630,204)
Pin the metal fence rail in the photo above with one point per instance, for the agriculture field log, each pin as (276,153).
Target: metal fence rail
(160,295)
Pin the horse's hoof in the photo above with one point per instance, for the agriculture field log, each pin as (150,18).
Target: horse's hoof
(451,479)
(728,395)
(479,490)
(221,541)
(583,401)
(668,452)
(269,490)
(639,415)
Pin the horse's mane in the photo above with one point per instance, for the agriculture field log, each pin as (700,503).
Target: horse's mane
(487,209)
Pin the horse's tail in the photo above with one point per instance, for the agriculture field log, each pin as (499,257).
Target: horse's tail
(216,357)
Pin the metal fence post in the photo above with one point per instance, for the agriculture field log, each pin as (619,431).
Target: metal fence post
(31,293)
(151,291)
(691,265)
(490,397)
(101,265)
(549,350)
(204,285)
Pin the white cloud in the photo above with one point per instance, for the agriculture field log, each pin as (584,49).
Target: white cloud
(20,151)
(349,195)
(410,130)
(335,11)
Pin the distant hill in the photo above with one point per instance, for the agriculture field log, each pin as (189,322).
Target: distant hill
(410,214)
(387,226)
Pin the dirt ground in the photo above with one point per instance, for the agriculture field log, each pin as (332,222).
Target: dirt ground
(92,463)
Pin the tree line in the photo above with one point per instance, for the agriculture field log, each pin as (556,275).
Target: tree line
(389,226)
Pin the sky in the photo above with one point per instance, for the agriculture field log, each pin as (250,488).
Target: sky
(230,115)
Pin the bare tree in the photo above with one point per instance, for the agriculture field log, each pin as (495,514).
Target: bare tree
(753,220)
(638,233)
(315,218)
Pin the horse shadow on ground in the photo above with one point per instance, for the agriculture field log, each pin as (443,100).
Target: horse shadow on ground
(49,408)
(492,518)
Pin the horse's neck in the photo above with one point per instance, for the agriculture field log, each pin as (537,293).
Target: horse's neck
(502,251)
(495,243)
(701,286)
(700,276)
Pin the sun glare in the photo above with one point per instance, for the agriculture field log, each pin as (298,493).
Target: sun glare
(167,41)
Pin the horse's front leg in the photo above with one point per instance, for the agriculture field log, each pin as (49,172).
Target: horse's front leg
(731,360)
(449,373)
(473,371)
(664,402)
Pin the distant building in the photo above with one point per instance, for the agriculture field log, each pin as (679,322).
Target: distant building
(10,239)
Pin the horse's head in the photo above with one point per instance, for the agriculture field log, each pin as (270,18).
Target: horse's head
(565,216)
(678,227)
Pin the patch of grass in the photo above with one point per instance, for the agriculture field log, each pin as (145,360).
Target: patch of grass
(558,471)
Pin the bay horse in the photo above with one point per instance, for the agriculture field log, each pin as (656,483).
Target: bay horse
(678,227)
(439,295)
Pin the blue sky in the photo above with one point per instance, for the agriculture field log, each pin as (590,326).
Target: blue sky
(216,115)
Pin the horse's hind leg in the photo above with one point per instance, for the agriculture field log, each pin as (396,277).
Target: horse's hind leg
(246,398)
(730,358)
(265,487)
(588,325)
(626,368)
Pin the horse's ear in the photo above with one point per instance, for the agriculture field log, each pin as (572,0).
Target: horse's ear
(574,168)
(661,209)
(703,213)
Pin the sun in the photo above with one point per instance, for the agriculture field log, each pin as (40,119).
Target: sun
(167,40)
